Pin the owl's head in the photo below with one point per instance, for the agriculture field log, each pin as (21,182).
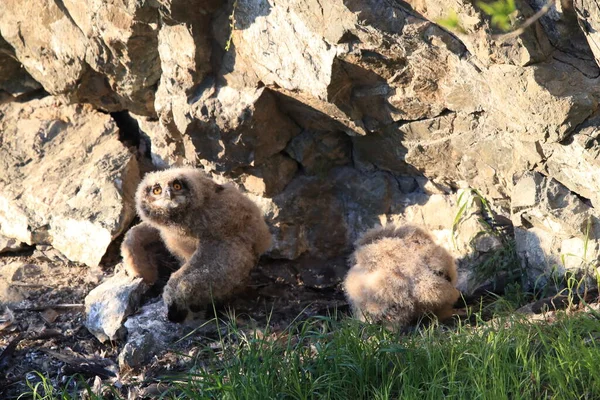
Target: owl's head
(164,196)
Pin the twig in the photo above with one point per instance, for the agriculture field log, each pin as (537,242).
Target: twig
(232,22)
(510,35)
(45,334)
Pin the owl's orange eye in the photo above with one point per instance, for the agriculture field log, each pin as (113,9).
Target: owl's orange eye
(157,190)
(177,186)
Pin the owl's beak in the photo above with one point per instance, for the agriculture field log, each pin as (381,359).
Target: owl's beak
(169,194)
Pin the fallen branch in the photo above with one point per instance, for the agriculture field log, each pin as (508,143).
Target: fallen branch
(80,365)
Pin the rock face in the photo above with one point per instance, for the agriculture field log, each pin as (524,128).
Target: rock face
(9,244)
(66,179)
(15,82)
(333,118)
(555,229)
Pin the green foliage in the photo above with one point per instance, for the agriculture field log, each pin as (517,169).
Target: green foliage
(502,260)
(463,205)
(451,22)
(231,25)
(41,388)
(499,11)
(467,200)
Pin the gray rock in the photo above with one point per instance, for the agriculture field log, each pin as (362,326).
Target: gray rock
(556,232)
(298,224)
(10,244)
(366,197)
(270,178)
(67,180)
(31,34)
(108,306)
(92,52)
(526,191)
(184,46)
(563,30)
(576,164)
(14,80)
(585,14)
(167,147)
(149,334)
(530,47)
(318,152)
(235,128)
(407,184)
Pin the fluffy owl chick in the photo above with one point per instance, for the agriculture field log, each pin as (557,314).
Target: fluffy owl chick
(398,274)
(215,231)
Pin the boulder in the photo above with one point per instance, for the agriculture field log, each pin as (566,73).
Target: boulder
(10,244)
(320,151)
(583,14)
(576,162)
(474,29)
(233,128)
(109,304)
(149,333)
(184,48)
(555,230)
(67,180)
(105,54)
(15,82)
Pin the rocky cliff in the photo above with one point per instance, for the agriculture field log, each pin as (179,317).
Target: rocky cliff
(333,117)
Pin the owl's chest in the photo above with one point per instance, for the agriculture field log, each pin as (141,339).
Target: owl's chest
(182,247)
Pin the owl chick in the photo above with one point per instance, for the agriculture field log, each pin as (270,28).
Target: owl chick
(398,274)
(216,233)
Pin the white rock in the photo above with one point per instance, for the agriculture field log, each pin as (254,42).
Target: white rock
(108,306)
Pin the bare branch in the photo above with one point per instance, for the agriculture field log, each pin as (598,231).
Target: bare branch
(511,35)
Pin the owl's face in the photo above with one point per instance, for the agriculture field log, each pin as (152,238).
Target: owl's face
(162,200)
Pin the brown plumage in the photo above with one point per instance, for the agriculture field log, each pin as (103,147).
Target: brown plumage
(399,274)
(215,231)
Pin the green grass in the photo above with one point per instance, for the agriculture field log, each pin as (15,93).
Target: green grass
(40,388)
(324,358)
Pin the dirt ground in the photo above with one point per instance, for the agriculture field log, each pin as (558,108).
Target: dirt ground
(42,320)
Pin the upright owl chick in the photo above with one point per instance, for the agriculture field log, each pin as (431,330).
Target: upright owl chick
(215,231)
(398,274)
